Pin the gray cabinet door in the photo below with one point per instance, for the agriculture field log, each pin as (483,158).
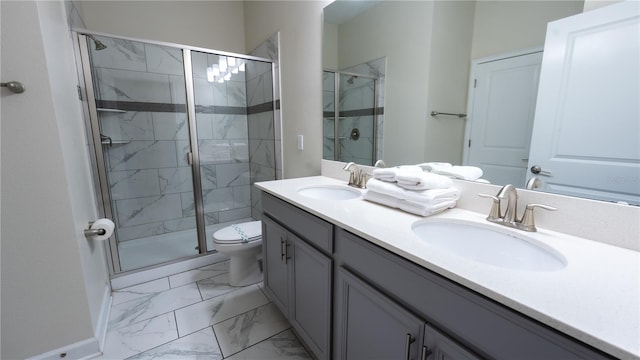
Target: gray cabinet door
(311,301)
(276,281)
(438,346)
(371,326)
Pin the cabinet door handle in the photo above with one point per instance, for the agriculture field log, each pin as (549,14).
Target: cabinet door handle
(282,249)
(425,352)
(286,252)
(410,340)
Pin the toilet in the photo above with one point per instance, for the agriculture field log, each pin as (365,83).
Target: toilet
(242,243)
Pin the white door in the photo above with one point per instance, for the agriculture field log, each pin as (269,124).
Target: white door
(501,116)
(586,135)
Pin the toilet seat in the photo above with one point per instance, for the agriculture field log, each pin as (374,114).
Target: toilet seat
(246,232)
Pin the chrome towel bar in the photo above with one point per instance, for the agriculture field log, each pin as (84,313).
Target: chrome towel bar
(436,113)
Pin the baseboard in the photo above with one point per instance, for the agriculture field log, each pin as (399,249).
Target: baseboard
(143,276)
(84,349)
(103,319)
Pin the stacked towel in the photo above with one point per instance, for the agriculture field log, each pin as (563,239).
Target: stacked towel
(411,189)
(407,205)
(434,166)
(427,197)
(389,174)
(461,172)
(422,181)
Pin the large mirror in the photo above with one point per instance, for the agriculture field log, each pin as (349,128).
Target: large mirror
(428,50)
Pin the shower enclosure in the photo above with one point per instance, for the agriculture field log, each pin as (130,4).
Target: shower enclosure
(177,133)
(351,117)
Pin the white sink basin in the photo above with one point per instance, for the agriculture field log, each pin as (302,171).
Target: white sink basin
(329,192)
(504,248)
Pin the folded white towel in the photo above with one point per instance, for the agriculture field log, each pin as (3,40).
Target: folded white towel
(379,198)
(422,181)
(426,210)
(433,196)
(462,172)
(389,174)
(434,166)
(408,206)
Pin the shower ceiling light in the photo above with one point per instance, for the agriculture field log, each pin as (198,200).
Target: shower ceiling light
(223,63)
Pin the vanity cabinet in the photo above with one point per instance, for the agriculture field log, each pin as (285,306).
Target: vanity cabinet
(368,325)
(474,325)
(348,298)
(298,272)
(436,345)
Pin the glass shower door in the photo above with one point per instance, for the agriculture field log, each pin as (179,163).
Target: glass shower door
(141,105)
(234,112)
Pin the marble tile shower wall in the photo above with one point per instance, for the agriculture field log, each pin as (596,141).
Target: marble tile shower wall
(149,177)
(221,122)
(355,96)
(376,68)
(264,121)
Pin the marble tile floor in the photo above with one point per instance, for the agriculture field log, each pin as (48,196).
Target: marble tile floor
(197,315)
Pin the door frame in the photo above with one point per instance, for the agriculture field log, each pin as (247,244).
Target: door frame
(471,90)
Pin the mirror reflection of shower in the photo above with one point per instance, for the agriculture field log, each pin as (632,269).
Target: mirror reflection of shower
(352,104)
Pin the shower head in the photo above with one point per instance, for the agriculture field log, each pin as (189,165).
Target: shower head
(353,77)
(99,44)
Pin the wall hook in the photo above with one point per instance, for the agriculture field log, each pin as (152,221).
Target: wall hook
(14,86)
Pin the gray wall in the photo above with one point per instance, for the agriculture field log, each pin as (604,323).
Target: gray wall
(54,281)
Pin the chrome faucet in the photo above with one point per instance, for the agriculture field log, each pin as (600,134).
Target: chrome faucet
(357,177)
(510,217)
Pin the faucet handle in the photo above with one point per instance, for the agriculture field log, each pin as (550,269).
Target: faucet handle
(527,223)
(494,214)
(364,177)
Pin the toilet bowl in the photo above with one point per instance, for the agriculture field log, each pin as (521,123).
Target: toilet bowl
(242,243)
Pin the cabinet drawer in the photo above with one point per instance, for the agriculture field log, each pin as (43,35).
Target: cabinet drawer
(486,327)
(309,227)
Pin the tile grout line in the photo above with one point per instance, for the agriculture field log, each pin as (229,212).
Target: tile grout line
(212,325)
(259,342)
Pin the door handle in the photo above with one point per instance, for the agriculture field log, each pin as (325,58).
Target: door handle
(536,169)
(426,352)
(410,340)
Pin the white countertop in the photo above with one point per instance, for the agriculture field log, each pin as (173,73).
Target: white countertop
(595,298)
